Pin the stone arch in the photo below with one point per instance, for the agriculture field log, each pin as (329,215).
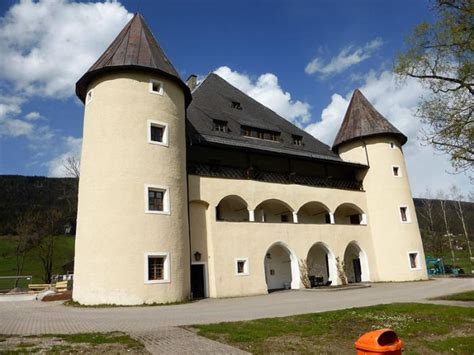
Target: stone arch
(281,267)
(232,208)
(314,212)
(356,263)
(349,213)
(322,263)
(274,211)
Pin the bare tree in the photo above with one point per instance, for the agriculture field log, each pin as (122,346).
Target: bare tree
(304,273)
(72,167)
(458,207)
(25,239)
(443,204)
(46,247)
(427,213)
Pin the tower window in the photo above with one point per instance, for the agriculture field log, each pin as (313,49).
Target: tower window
(157,200)
(392,145)
(242,266)
(236,105)
(220,126)
(157,133)
(156,87)
(297,140)
(157,267)
(405,218)
(414,260)
(89,96)
(396,171)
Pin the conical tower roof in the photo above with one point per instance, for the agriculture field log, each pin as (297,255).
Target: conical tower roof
(363,120)
(135,48)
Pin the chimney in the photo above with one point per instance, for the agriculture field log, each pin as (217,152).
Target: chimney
(191,82)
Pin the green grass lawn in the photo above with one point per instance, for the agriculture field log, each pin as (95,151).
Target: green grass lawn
(462,296)
(424,328)
(63,252)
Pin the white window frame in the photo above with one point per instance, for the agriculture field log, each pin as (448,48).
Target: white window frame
(150,87)
(154,123)
(166,267)
(89,100)
(246,267)
(417,260)
(166,199)
(399,171)
(407,214)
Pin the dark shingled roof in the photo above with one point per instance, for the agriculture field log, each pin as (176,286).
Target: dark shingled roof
(213,100)
(134,48)
(363,120)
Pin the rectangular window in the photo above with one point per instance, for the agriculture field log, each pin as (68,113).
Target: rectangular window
(157,267)
(236,105)
(285,218)
(392,145)
(404,214)
(157,199)
(156,87)
(242,266)
(260,133)
(220,126)
(413,258)
(396,170)
(157,132)
(89,96)
(297,140)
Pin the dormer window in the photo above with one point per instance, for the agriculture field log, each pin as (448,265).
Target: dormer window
(260,133)
(297,140)
(156,87)
(220,126)
(236,105)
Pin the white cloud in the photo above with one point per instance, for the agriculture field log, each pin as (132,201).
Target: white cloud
(348,57)
(47,45)
(33,116)
(397,102)
(72,148)
(266,90)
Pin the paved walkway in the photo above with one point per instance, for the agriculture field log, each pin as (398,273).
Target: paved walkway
(52,317)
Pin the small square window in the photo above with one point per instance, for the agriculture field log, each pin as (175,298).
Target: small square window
(392,145)
(220,126)
(396,170)
(414,260)
(297,140)
(157,133)
(404,214)
(157,267)
(236,105)
(242,266)
(89,96)
(156,87)
(157,200)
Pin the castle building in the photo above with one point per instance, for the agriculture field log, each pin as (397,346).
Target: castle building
(193,190)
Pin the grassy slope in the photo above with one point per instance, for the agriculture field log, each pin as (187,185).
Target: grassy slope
(424,328)
(63,252)
(462,296)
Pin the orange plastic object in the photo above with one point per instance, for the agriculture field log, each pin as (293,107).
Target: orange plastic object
(382,341)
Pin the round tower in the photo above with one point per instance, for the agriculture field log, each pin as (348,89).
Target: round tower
(132,244)
(367,137)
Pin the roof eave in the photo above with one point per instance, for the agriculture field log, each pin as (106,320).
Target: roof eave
(84,82)
(399,136)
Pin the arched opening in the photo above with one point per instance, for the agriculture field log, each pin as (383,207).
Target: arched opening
(356,263)
(281,268)
(232,208)
(314,213)
(273,211)
(348,213)
(321,263)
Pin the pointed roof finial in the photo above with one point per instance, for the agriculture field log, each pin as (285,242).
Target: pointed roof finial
(134,48)
(363,120)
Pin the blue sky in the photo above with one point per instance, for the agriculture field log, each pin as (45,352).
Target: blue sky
(301,58)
